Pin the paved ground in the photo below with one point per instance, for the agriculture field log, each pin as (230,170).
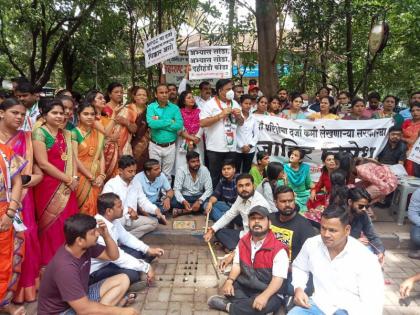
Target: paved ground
(186,278)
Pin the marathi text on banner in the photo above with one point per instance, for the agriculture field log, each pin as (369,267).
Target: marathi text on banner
(213,62)
(362,138)
(160,48)
(415,152)
(175,69)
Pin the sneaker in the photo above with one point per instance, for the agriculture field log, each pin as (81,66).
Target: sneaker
(414,254)
(218,302)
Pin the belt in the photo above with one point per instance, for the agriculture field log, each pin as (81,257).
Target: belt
(163,145)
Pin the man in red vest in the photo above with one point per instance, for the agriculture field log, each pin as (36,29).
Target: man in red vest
(259,268)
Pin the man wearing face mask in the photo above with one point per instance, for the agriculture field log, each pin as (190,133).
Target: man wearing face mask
(219,117)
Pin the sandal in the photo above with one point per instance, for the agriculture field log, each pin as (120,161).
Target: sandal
(128,299)
(176,212)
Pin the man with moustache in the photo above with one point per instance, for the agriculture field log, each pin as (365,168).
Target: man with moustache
(291,229)
(347,276)
(259,268)
(204,87)
(26,94)
(247,199)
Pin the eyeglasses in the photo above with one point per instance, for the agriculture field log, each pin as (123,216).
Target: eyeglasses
(361,207)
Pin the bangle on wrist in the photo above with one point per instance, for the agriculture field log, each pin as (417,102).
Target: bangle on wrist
(229,278)
(19,204)
(11,209)
(11,217)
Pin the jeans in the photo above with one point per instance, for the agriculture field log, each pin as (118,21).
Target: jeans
(112,269)
(313,310)
(415,236)
(288,289)
(215,163)
(241,302)
(244,162)
(219,209)
(190,199)
(228,237)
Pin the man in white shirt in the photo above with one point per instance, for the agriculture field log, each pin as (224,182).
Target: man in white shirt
(25,93)
(246,137)
(247,199)
(219,117)
(347,277)
(134,254)
(259,268)
(121,185)
(204,87)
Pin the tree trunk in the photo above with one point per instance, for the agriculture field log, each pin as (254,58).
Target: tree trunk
(266,16)
(67,61)
(349,47)
(231,20)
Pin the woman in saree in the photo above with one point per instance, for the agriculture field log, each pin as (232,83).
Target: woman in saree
(12,115)
(140,141)
(124,117)
(55,198)
(411,131)
(11,239)
(88,145)
(298,177)
(295,110)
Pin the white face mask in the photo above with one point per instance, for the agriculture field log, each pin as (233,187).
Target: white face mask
(305,103)
(230,95)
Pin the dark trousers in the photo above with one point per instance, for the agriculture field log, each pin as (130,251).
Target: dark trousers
(215,163)
(241,303)
(244,162)
(112,269)
(288,289)
(228,237)
(190,199)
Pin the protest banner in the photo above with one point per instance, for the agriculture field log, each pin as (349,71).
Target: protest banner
(175,69)
(213,62)
(362,138)
(415,152)
(160,48)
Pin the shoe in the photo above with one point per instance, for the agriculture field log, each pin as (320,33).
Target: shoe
(218,302)
(414,254)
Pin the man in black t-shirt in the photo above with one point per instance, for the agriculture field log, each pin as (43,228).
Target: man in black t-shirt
(395,151)
(290,228)
(64,287)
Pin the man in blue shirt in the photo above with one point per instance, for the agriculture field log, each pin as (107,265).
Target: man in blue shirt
(165,120)
(414,216)
(155,185)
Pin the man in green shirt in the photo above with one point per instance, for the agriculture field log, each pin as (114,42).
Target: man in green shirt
(165,120)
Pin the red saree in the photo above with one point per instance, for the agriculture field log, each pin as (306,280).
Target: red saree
(114,150)
(54,201)
(21,144)
(11,242)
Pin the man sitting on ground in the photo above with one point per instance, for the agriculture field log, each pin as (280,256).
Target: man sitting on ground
(247,199)
(347,276)
(192,186)
(121,185)
(64,287)
(133,252)
(155,185)
(224,195)
(259,268)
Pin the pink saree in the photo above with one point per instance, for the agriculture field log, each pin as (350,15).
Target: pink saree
(21,144)
(54,201)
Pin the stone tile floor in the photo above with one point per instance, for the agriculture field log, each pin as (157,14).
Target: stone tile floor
(186,278)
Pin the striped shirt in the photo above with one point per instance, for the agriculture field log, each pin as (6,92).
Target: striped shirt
(186,186)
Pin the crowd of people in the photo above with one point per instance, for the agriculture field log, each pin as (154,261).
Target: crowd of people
(85,178)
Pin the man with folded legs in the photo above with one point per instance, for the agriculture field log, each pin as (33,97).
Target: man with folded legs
(347,276)
(134,255)
(259,268)
(64,286)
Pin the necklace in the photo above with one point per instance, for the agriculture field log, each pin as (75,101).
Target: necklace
(61,143)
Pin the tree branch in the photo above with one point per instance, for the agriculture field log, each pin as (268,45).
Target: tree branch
(246,6)
(7,51)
